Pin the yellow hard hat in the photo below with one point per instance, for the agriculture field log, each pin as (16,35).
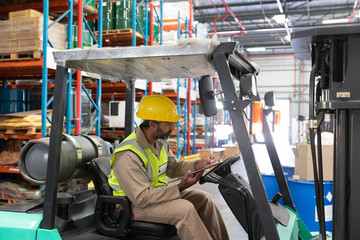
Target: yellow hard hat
(157,108)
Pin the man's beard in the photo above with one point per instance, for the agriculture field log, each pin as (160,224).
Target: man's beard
(159,134)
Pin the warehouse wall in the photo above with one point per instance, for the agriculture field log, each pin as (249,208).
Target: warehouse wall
(289,78)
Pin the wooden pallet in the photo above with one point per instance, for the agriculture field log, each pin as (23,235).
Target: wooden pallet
(169,90)
(22,56)
(112,129)
(83,130)
(120,37)
(20,130)
(120,34)
(200,128)
(116,31)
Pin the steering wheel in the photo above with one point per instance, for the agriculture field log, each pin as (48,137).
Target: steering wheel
(220,170)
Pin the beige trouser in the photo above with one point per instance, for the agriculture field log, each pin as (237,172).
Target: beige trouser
(195,216)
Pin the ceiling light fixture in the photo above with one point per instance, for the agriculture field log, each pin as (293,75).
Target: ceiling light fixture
(334,21)
(256,49)
(280,18)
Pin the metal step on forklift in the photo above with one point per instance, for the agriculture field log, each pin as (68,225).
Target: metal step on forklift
(62,214)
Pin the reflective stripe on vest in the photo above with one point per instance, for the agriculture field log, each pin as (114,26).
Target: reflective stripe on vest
(133,142)
(162,168)
(156,177)
(165,144)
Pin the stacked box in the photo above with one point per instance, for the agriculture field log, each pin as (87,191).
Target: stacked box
(304,165)
(24,14)
(231,150)
(23,32)
(218,153)
(170,37)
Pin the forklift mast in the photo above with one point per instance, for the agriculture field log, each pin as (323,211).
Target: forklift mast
(335,90)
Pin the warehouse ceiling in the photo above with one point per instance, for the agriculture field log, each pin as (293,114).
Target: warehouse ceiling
(269,23)
(264,23)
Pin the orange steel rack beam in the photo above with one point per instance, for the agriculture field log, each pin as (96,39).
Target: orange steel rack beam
(9,169)
(23,69)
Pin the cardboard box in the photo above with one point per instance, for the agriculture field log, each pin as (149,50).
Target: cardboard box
(217,152)
(24,14)
(304,164)
(25,35)
(231,150)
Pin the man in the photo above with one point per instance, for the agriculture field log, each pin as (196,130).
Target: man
(140,165)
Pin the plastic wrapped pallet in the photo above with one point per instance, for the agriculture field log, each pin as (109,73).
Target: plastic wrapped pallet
(169,85)
(23,33)
(10,153)
(170,37)
(28,121)
(24,14)
(10,190)
(172,9)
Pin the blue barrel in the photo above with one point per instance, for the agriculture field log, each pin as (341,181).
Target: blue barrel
(108,15)
(14,100)
(303,195)
(289,170)
(28,100)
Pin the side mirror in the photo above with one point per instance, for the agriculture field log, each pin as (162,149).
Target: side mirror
(207,96)
(270,99)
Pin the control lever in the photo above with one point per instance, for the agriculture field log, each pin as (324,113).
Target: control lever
(276,198)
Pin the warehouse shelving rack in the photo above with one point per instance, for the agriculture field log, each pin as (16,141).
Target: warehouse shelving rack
(127,91)
(79,85)
(182,110)
(147,33)
(185,109)
(39,68)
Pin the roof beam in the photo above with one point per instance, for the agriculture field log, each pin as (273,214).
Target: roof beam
(251,15)
(240,4)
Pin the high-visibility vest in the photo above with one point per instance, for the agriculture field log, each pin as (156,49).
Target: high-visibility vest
(155,171)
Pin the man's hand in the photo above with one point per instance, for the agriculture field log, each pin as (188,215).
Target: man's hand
(187,181)
(204,162)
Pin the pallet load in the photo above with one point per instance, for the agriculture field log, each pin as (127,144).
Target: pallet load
(10,152)
(117,23)
(30,124)
(22,35)
(11,192)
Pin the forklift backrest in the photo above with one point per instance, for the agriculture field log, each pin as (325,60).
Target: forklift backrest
(99,170)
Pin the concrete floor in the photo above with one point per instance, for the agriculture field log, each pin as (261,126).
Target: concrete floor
(235,230)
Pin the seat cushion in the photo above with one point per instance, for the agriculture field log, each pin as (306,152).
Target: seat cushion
(151,229)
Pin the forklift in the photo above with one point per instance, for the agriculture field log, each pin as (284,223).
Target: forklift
(90,214)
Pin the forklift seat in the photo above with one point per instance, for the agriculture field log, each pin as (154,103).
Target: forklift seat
(112,213)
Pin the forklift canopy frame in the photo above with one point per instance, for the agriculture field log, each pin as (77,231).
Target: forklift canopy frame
(156,63)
